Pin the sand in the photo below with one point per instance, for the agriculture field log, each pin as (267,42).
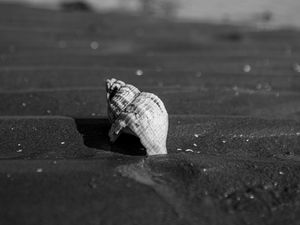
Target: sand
(233,98)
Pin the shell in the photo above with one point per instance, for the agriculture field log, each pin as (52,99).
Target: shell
(139,113)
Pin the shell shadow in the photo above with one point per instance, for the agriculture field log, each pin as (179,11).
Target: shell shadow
(95,135)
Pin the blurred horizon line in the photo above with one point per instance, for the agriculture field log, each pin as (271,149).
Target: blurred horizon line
(266,13)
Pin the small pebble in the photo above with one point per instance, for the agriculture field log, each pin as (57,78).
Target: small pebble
(24,104)
(196,135)
(258,86)
(247,68)
(39,170)
(281,173)
(235,88)
(189,150)
(264,87)
(62,143)
(195,144)
(224,141)
(139,72)
(19,144)
(268,186)
(179,149)
(247,140)
(94,45)
(20,150)
(296,67)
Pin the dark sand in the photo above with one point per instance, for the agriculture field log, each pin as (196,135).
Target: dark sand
(233,95)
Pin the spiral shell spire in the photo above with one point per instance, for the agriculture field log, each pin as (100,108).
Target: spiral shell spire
(140,113)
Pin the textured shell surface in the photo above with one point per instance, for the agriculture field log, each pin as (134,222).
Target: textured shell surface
(139,113)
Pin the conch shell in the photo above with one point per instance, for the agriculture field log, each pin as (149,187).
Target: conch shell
(139,113)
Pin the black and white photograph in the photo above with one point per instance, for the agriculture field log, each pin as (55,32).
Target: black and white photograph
(149,112)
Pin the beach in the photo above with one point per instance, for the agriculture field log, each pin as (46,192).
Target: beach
(231,91)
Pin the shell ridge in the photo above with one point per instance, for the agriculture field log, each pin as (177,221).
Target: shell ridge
(140,113)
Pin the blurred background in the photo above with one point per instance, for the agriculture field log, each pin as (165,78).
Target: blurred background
(220,58)
(228,72)
(276,12)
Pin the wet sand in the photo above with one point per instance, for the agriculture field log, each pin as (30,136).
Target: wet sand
(234,103)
